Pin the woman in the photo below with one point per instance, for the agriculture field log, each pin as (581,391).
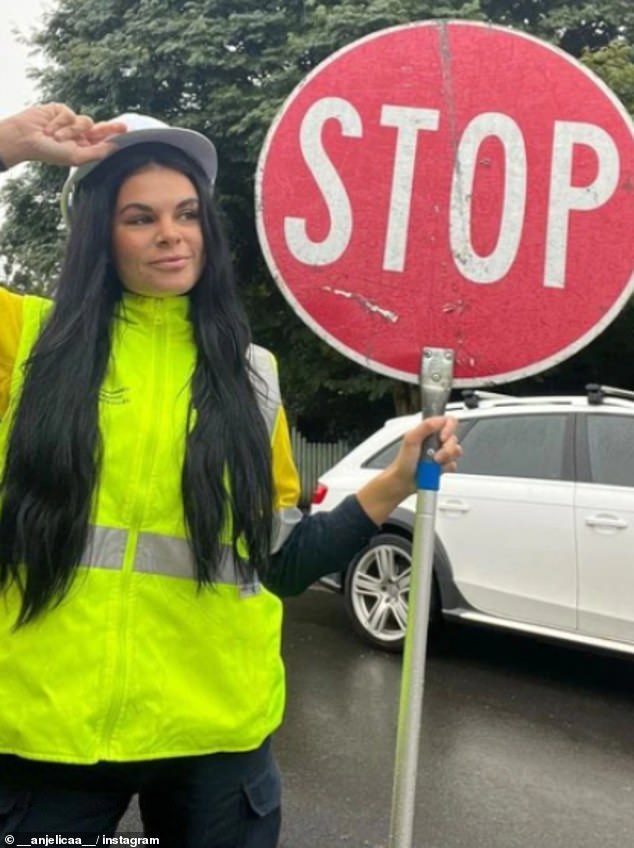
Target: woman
(148,522)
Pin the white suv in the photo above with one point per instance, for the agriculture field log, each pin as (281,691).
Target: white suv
(535,532)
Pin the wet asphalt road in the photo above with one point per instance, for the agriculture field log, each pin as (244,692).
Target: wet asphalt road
(523,744)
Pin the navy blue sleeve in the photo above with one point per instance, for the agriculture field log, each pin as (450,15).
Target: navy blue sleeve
(320,544)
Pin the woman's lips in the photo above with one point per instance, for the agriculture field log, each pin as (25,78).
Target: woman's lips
(172,263)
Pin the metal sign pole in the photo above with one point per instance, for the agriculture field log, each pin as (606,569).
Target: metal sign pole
(436,378)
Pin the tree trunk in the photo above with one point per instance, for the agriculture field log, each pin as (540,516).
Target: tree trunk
(406,398)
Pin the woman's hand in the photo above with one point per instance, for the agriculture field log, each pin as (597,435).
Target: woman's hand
(53,133)
(384,493)
(406,462)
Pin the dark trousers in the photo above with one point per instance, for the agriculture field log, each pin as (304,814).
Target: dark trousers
(210,801)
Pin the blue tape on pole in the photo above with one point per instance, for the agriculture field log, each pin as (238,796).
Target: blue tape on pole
(428,475)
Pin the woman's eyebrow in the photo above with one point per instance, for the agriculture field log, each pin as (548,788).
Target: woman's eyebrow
(144,207)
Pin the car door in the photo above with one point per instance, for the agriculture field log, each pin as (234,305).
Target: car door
(604,515)
(506,518)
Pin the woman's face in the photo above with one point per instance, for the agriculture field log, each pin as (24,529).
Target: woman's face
(157,239)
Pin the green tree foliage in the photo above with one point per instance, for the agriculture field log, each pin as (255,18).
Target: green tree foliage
(573,26)
(614,63)
(224,67)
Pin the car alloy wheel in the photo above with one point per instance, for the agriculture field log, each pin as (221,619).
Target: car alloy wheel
(377,591)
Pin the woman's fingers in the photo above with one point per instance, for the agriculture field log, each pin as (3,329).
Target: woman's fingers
(62,123)
(105,129)
(445,428)
(449,452)
(65,125)
(73,130)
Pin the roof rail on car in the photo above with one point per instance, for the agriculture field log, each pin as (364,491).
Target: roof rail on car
(472,397)
(598,393)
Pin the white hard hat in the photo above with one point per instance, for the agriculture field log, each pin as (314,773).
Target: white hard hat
(142,129)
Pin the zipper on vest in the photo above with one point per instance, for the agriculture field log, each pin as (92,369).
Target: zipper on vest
(142,473)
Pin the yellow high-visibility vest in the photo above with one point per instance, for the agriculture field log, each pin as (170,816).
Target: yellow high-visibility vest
(136,663)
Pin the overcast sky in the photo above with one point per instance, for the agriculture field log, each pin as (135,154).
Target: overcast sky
(23,15)
(16,90)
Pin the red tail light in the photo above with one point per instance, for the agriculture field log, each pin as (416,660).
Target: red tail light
(319,493)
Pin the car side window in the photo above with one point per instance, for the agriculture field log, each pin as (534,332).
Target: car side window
(530,446)
(611,449)
(382,458)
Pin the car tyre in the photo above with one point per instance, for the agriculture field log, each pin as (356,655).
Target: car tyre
(376,592)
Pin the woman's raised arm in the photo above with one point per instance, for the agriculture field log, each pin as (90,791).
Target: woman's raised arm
(53,133)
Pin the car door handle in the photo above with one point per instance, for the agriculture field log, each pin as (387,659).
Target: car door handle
(606,521)
(451,505)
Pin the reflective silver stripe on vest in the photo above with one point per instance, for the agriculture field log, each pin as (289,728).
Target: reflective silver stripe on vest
(168,555)
(172,557)
(284,522)
(265,384)
(105,547)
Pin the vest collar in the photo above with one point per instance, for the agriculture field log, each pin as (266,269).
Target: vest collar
(135,306)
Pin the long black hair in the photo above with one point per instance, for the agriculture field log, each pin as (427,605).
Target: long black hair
(54,450)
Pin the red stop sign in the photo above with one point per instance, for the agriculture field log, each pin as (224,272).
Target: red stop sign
(451,185)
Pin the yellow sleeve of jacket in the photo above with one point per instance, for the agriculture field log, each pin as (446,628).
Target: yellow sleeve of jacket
(286,485)
(10,329)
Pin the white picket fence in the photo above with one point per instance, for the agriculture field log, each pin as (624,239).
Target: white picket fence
(313,458)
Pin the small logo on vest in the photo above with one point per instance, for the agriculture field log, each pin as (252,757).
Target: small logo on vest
(117,397)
